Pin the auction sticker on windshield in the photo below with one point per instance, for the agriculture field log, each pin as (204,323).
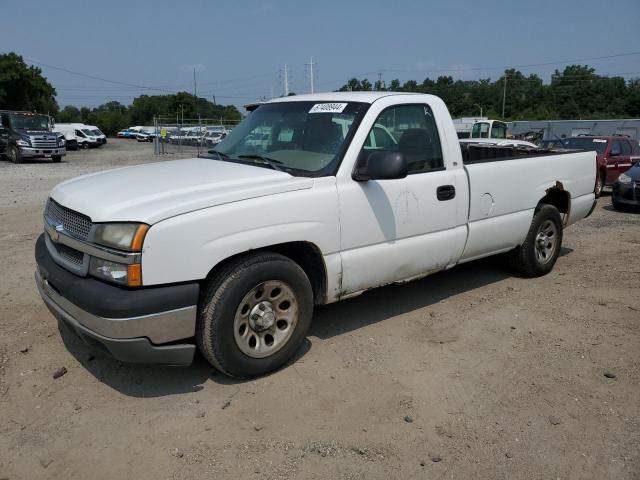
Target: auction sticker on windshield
(328,108)
(599,140)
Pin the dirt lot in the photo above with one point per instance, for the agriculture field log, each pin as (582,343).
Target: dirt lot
(470,373)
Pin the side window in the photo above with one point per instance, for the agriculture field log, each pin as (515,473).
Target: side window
(79,134)
(616,148)
(498,130)
(410,130)
(5,121)
(626,148)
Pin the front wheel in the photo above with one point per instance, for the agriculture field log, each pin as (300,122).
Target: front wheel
(540,250)
(14,154)
(254,315)
(85,145)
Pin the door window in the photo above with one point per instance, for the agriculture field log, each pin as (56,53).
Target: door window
(616,148)
(626,148)
(410,130)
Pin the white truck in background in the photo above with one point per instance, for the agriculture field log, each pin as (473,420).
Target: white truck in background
(229,254)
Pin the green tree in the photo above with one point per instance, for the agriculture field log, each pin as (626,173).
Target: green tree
(24,87)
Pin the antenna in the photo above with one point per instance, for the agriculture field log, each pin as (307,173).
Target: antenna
(311,74)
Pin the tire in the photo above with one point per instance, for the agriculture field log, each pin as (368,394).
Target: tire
(540,250)
(14,154)
(85,145)
(231,303)
(621,207)
(599,187)
(56,158)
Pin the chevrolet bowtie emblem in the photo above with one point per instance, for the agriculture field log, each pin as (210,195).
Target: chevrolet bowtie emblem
(54,231)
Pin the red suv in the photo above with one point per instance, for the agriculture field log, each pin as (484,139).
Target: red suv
(614,154)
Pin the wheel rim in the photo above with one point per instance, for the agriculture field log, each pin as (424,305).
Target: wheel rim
(598,185)
(265,319)
(546,241)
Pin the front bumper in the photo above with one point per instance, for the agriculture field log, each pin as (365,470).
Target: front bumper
(148,325)
(627,193)
(33,152)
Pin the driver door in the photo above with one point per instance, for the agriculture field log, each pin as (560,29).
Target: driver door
(394,230)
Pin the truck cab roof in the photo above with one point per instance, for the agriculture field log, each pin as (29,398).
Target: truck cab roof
(364,97)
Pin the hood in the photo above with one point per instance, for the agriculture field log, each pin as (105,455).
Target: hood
(153,192)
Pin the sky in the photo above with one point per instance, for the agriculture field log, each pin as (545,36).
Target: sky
(239,48)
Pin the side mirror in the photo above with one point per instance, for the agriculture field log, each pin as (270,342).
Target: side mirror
(380,165)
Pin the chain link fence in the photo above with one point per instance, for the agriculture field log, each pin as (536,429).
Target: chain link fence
(188,136)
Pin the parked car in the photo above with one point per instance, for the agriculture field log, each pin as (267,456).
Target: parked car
(230,253)
(131,132)
(614,154)
(126,133)
(29,135)
(146,136)
(626,189)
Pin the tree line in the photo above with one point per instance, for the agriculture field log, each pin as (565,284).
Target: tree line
(576,92)
(23,87)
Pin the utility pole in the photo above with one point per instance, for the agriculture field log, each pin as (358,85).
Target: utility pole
(286,81)
(504,94)
(311,75)
(379,84)
(195,90)
(182,110)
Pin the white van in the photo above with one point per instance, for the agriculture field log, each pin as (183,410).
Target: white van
(69,133)
(85,135)
(102,138)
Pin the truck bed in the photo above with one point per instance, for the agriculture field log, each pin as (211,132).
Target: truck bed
(480,153)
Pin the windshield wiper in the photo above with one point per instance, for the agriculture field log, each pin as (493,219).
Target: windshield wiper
(269,161)
(221,155)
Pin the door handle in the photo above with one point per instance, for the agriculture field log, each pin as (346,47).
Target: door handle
(446,192)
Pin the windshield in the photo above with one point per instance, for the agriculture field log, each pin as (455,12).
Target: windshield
(97,132)
(29,122)
(597,145)
(87,132)
(304,137)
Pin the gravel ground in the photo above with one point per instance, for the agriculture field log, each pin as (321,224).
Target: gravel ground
(470,373)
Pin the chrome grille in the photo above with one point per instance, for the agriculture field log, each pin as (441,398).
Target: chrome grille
(44,142)
(73,223)
(70,254)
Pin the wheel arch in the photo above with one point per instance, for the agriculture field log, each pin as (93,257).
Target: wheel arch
(558,197)
(306,254)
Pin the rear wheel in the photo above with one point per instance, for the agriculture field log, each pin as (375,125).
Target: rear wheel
(254,314)
(540,250)
(14,154)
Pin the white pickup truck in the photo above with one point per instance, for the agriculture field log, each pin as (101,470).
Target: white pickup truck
(229,254)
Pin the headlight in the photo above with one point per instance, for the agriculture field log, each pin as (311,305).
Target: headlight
(624,178)
(23,143)
(61,142)
(123,236)
(129,275)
